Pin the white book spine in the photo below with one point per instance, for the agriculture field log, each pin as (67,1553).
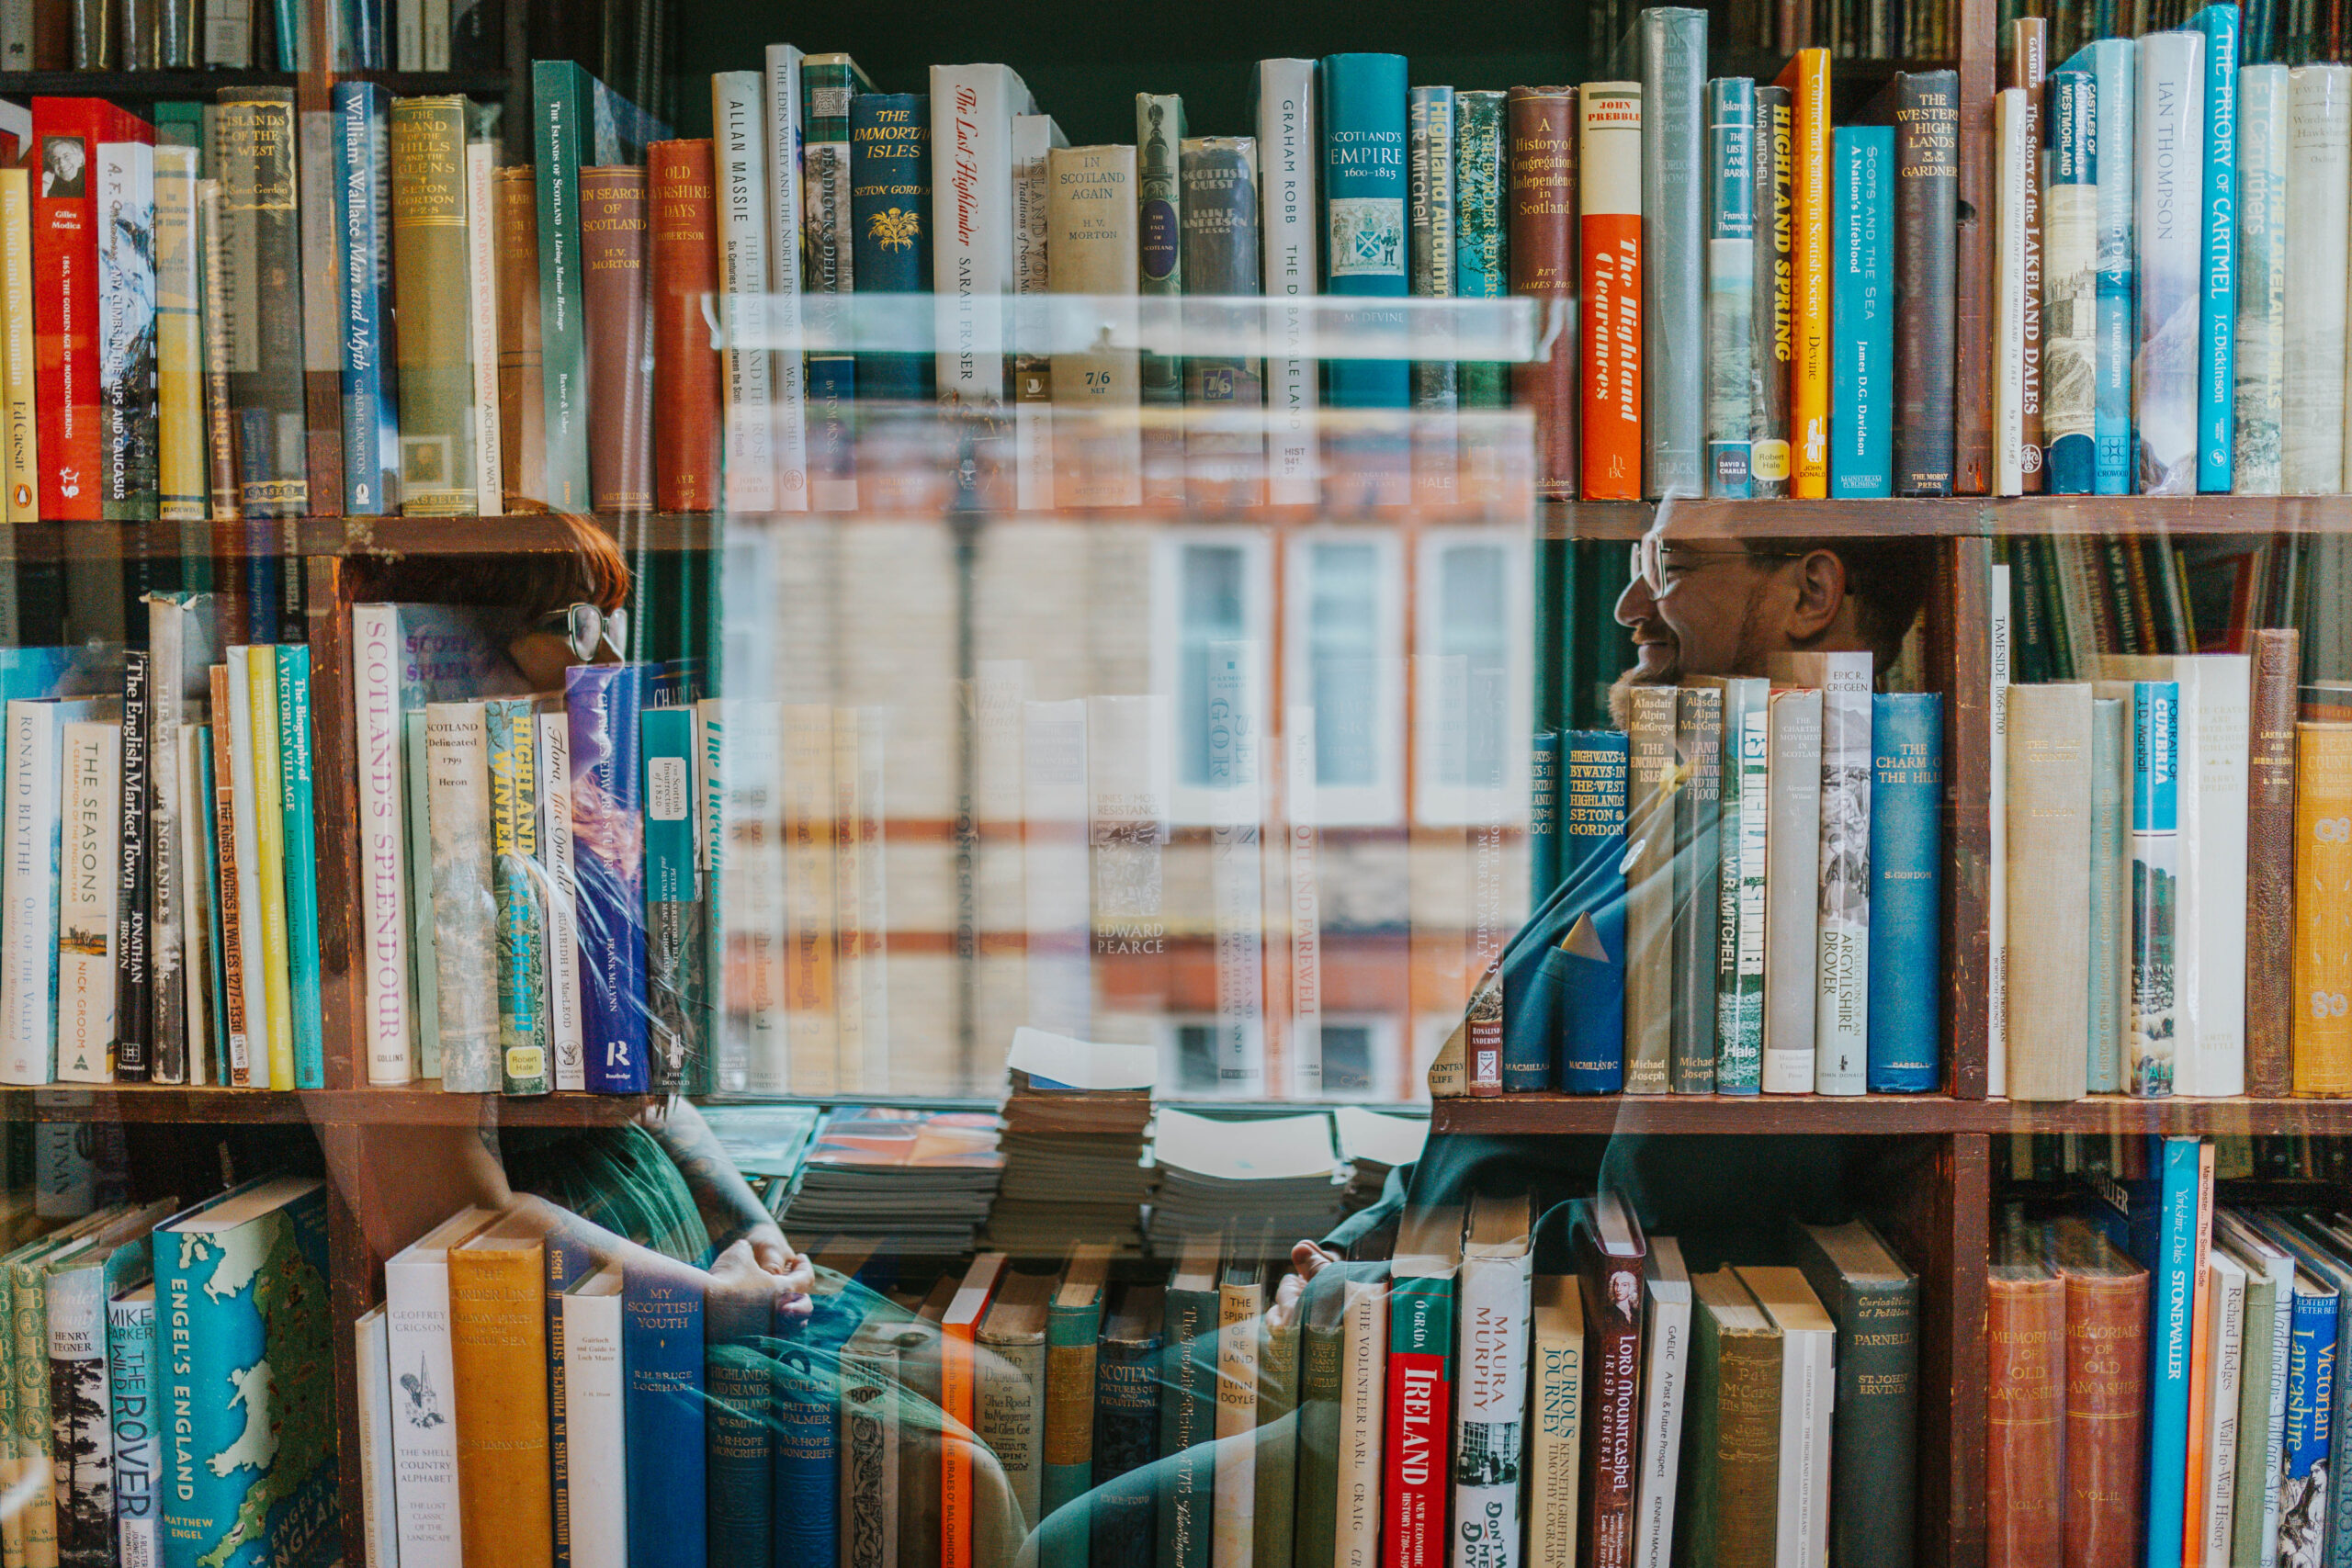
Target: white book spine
(424,1434)
(1306,896)
(2216,690)
(785,195)
(376,1487)
(2281,1331)
(2014,164)
(2225,1284)
(465,912)
(2319,184)
(2169,234)
(1287,155)
(592,1391)
(1667,1347)
(1808,1388)
(1996,983)
(91,815)
(748,453)
(1490,1407)
(481,269)
(28,935)
(248,1053)
(1364,1359)
(198,913)
(322,254)
(1792,890)
(1841,1034)
(971,194)
(383,884)
(1053,808)
(1033,136)
(564,1027)
(2258,342)
(1237,868)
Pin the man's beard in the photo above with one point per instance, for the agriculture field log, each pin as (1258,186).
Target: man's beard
(1748,659)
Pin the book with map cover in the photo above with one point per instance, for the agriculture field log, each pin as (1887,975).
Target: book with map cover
(243,1320)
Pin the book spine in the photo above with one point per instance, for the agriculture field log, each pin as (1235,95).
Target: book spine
(1771,357)
(1555,1448)
(2070,284)
(2169,1246)
(1927,200)
(498,1359)
(1543,128)
(125,177)
(134,991)
(465,906)
(269,840)
(1159,133)
(522,366)
(2106,1345)
(424,945)
(2048,965)
(2271,849)
(89,797)
(1609,231)
(686,370)
(168,867)
(1033,382)
(2026,1338)
(2014,174)
(559,94)
(2227,1323)
(131,1386)
(1187,1419)
(79,1442)
(2319,170)
(1234,1501)
(603,703)
(2319,1040)
(780,89)
(1363,98)
(1289,265)
(1066,1443)
(229,857)
(219,428)
(1420,1389)
(432,299)
(869,1444)
(1739,1063)
(319,236)
(1698,884)
(384,893)
(674,934)
(1491,1411)
(1792,905)
(481,299)
(1225,446)
(2155,875)
(2025,64)
(1429,218)
(65,315)
(1809,302)
(595,1423)
(663,1402)
(1592,1044)
(1862,452)
(1649,890)
(1731,285)
(1321,1348)
(1276,1438)
(2216,367)
(615,326)
(293,740)
(19,422)
(748,391)
(179,345)
(1127,1417)
(1674,249)
(253,149)
(2303,1474)
(2258,343)
(1362,1482)
(2109,1007)
(510,740)
(971,213)
(827,88)
(371,400)
(2113,61)
(2169,228)
(1841,1013)
(890,217)
(1906,857)
(563,893)
(771,1462)
(1543,820)
(1612,1418)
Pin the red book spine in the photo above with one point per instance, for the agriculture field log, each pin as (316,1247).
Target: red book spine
(1540,123)
(614,313)
(65,305)
(1610,228)
(1613,1413)
(685,368)
(2026,1334)
(2270,862)
(2107,1374)
(1420,1418)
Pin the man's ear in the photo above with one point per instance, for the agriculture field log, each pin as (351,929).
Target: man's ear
(1820,595)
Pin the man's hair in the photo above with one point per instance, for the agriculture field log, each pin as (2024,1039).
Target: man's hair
(585,566)
(1887,579)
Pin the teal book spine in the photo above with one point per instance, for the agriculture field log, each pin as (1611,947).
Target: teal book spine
(1481,256)
(2217,322)
(1187,1423)
(2111,914)
(301,862)
(2155,880)
(2070,282)
(243,1320)
(1862,451)
(663,1406)
(1543,816)
(1069,1471)
(1362,97)
(729,1065)
(423,956)
(674,920)
(1731,285)
(827,86)
(217,958)
(805,1356)
(1907,886)
(2155,1220)
(2113,62)
(523,1032)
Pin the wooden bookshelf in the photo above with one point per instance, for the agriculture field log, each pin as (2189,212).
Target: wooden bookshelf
(1965,516)
(158,86)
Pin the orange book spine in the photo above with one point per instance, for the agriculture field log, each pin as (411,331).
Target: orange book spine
(2321,1039)
(2026,1333)
(2107,1370)
(957,1377)
(498,1360)
(1807,77)
(2201,1353)
(1610,227)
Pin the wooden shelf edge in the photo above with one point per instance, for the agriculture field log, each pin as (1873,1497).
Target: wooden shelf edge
(1705,1113)
(417,1106)
(1956,516)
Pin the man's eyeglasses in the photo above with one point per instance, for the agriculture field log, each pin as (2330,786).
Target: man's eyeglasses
(585,628)
(1660,563)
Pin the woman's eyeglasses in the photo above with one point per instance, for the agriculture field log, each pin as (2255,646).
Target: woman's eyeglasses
(587,627)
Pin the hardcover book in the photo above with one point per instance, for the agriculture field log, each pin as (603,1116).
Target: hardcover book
(1187,1407)
(1907,884)
(465,905)
(2169,228)
(498,1359)
(2216,367)
(2110,893)
(2025,1338)
(1490,1412)
(1288,157)
(2106,1356)
(2112,62)
(1674,164)
(124,177)
(1160,231)
(1610,1253)
(1874,1300)
(65,300)
(2320,1047)
(511,740)
(972,239)
(2070,283)
(748,444)
(1730,1493)
(2319,174)
(1665,1357)
(787,245)
(2258,343)
(2049,889)
(891,209)
(1731,285)
(1791,889)
(1861,419)
(1553,1446)
(771,1471)
(1362,100)
(436,347)
(1925,106)
(371,435)
(663,1403)
(1841,1025)
(522,364)
(253,156)
(687,378)
(1124,1526)
(2270,838)
(615,312)
(1807,80)
(828,83)
(1421,1319)
(1774,355)
(1610,234)
(1698,883)
(604,702)
(1543,129)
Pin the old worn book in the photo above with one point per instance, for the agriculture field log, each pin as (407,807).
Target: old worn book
(1362,1417)
(2025,65)
(1698,883)
(2271,859)
(616,312)
(1673,52)
(2321,1039)
(1654,781)
(1554,1454)
(1224,395)
(2027,1382)
(2049,888)
(682,263)
(2109,1007)
(431,297)
(254,157)
(1841,1016)
(1730,1492)
(1275,1439)
(1011,1396)
(1925,108)
(1091,236)
(1073,1324)
(498,1351)
(1241,1298)
(2319,179)
(522,416)
(1808,1398)
(1874,1300)
(2106,1348)
(1540,245)
(1126,1400)
(2258,339)
(1791,888)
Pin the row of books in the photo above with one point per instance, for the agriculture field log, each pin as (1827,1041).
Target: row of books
(2162,1373)
(1747,897)
(171,1388)
(362,35)
(2277,32)
(160,879)
(1610,1409)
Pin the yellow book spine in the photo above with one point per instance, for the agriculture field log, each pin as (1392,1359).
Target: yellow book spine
(269,836)
(179,352)
(1809,398)
(498,1361)
(16,344)
(2321,1038)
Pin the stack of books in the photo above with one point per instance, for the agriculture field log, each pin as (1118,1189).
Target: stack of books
(1370,1146)
(925,1179)
(1282,1169)
(764,1142)
(1073,1169)
(161,878)
(1746,897)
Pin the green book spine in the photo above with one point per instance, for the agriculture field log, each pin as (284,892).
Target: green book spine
(674,920)
(1187,1426)
(1277,1457)
(1069,1471)
(1697,1503)
(1481,265)
(1321,1351)
(1875,1420)
(301,862)
(1159,132)
(2254,1453)
(522,909)
(431,294)
(560,94)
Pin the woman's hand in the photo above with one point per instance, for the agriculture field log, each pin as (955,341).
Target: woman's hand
(796,1275)
(1308,1258)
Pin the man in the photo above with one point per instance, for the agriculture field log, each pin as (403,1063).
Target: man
(1697,606)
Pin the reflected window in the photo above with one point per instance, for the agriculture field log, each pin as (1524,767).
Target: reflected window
(1344,662)
(1471,677)
(1210,596)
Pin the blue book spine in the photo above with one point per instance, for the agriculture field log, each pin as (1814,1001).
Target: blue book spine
(1187,1436)
(1588,964)
(301,862)
(602,702)
(2114,63)
(662,1417)
(1362,97)
(130,1387)
(568,1263)
(371,436)
(673,908)
(805,1357)
(2161,1232)
(230,1303)
(2217,329)
(2070,350)
(2303,1489)
(1862,452)
(1731,285)
(1123,1523)
(1906,885)
(889,203)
